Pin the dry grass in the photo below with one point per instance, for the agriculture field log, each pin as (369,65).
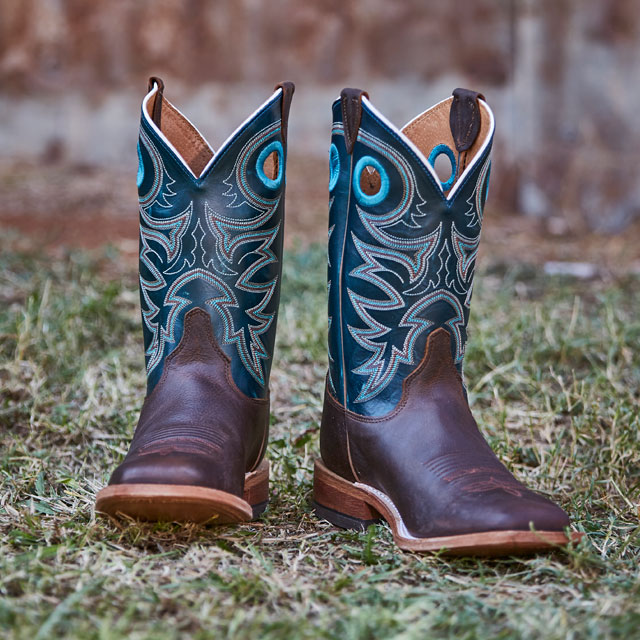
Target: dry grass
(553,368)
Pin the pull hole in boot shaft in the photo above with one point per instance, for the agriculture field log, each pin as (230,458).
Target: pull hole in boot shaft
(443,160)
(270,165)
(370,181)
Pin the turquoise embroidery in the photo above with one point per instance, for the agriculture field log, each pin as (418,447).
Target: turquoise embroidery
(436,152)
(140,176)
(363,198)
(334,166)
(160,192)
(476,200)
(270,183)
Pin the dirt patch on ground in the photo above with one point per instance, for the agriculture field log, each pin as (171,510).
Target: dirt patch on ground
(57,206)
(80,206)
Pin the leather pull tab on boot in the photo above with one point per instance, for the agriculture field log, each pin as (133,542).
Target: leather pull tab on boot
(351,100)
(156,114)
(288,88)
(464,118)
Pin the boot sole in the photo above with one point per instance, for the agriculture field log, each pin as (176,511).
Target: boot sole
(353,505)
(186,503)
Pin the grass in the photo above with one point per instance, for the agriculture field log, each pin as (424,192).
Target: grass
(553,369)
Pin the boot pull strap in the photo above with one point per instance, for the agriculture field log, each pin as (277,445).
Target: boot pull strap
(288,89)
(351,101)
(156,114)
(464,118)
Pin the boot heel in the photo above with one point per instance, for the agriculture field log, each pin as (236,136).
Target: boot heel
(340,502)
(256,488)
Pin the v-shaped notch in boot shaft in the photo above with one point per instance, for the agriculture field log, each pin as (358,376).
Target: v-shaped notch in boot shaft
(460,126)
(187,143)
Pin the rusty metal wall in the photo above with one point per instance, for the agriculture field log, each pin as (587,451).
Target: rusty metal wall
(561,75)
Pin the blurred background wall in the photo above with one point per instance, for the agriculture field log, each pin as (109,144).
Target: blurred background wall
(561,75)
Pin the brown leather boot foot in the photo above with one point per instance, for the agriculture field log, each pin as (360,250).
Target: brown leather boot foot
(195,439)
(352,505)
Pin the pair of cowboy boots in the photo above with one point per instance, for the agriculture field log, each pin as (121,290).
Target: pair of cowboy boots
(398,441)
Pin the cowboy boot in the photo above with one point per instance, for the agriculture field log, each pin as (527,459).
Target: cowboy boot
(211,227)
(398,441)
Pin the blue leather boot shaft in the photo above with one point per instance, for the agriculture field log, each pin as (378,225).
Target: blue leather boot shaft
(214,242)
(401,261)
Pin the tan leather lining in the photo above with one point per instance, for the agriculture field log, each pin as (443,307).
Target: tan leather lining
(271,166)
(184,137)
(370,181)
(432,128)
